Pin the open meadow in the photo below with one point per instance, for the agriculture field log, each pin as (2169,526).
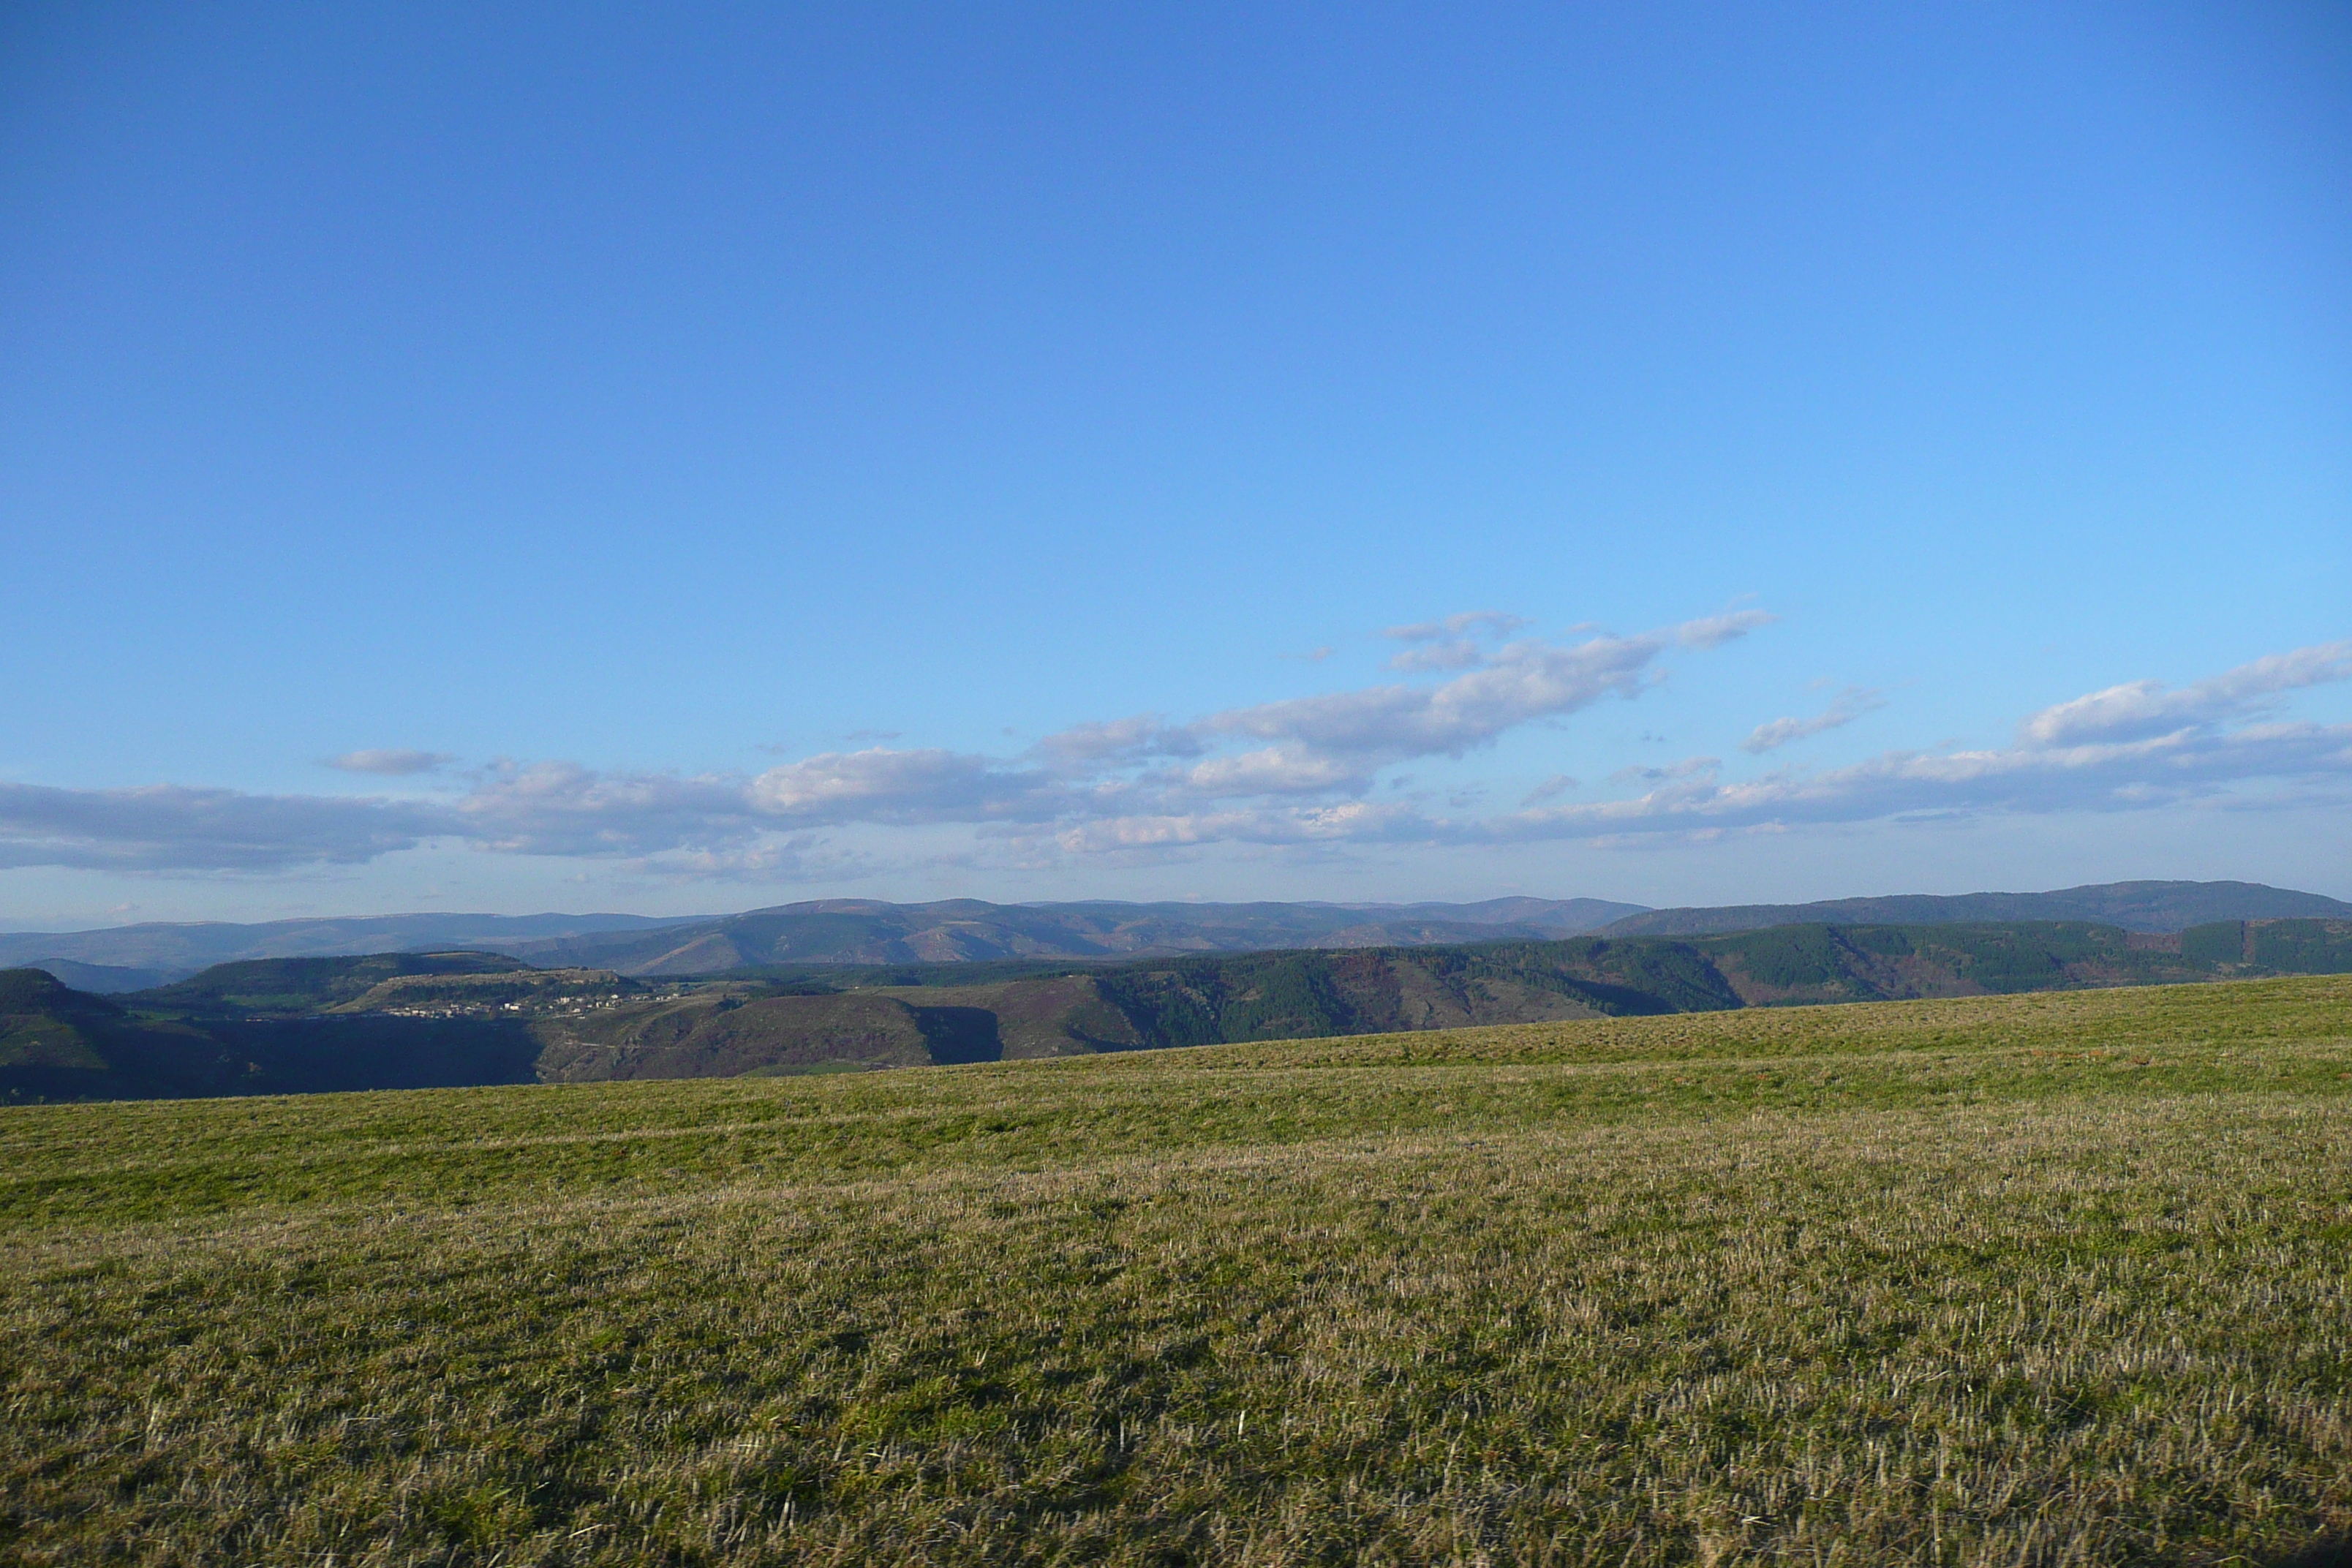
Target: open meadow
(2063,1277)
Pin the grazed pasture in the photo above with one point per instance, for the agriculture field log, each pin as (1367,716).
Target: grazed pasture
(2053,1279)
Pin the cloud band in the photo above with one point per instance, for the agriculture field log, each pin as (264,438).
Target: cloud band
(1292,772)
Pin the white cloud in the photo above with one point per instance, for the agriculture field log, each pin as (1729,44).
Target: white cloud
(882,786)
(1452,643)
(1474,623)
(1278,773)
(1715,630)
(1521,682)
(1108,743)
(1551,789)
(1454,653)
(1349,821)
(1852,704)
(1338,741)
(2145,707)
(1275,770)
(2311,761)
(393,762)
(168,827)
(562,808)
(2196,758)
(1296,773)
(1689,767)
(802,858)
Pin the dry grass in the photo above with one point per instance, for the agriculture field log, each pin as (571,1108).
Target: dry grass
(2043,1279)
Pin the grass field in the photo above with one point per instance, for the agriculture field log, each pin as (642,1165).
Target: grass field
(2050,1278)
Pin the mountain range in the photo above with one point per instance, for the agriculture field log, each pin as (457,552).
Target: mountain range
(827,931)
(2134,906)
(418,1020)
(134,957)
(965,930)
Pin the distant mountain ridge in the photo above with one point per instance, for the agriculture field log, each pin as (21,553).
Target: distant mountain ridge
(2151,906)
(962,930)
(825,930)
(965,930)
(158,952)
(419,1020)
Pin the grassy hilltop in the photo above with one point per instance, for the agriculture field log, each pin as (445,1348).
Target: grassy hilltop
(2045,1279)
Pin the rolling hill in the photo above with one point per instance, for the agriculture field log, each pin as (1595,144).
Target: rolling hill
(58,1043)
(956,931)
(404,1020)
(101,979)
(160,952)
(296,987)
(1216,998)
(969,931)
(834,931)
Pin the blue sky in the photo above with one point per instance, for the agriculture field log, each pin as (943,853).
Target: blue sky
(687,458)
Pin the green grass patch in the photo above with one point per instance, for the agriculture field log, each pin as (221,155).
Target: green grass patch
(2054,1277)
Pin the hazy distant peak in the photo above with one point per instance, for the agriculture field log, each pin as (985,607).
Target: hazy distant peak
(2154,907)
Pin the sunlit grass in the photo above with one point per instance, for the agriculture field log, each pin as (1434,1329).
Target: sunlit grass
(2047,1278)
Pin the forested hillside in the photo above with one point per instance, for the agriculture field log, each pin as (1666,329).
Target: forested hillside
(410,1020)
